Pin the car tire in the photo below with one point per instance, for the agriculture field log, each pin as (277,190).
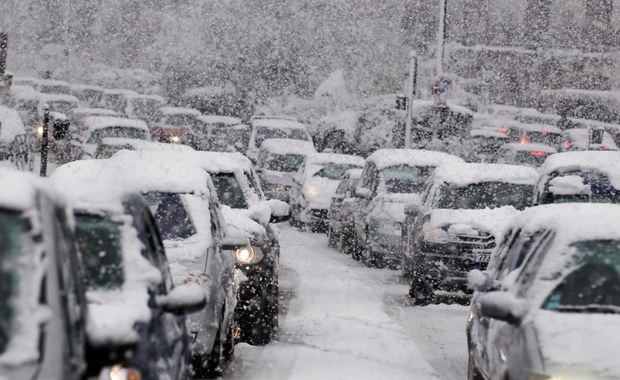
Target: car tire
(213,366)
(371,259)
(420,292)
(331,238)
(261,330)
(472,371)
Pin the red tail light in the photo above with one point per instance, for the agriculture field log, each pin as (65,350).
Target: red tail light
(522,140)
(544,133)
(602,148)
(565,144)
(538,153)
(503,131)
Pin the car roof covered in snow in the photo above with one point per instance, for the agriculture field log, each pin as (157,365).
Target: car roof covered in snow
(487,132)
(24,91)
(51,82)
(606,162)
(335,158)
(74,86)
(213,162)
(277,124)
(135,95)
(94,112)
(354,173)
(469,173)
(11,124)
(483,121)
(119,91)
(384,158)
(143,145)
(528,147)
(420,106)
(288,146)
(138,174)
(19,189)
(213,119)
(537,128)
(58,97)
(178,111)
(98,122)
(579,138)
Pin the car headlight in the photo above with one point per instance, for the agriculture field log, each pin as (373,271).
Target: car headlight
(175,139)
(39,132)
(248,254)
(118,372)
(436,234)
(312,192)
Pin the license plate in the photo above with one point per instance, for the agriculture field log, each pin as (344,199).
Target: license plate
(480,257)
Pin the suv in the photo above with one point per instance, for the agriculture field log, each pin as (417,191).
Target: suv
(391,178)
(555,282)
(263,128)
(589,176)
(42,302)
(465,209)
(524,154)
(126,268)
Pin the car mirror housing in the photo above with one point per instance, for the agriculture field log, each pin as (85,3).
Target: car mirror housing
(413,209)
(502,306)
(363,192)
(338,196)
(183,299)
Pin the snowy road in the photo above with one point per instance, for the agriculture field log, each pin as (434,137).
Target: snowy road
(341,320)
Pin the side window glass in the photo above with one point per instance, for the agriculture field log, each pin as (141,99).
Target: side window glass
(155,246)
(532,263)
(343,186)
(364,182)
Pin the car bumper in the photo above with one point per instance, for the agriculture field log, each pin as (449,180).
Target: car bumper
(389,246)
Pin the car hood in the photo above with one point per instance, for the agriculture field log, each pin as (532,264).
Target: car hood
(493,221)
(579,344)
(323,190)
(281,178)
(392,206)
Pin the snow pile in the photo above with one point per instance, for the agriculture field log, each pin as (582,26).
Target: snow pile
(18,189)
(393,157)
(471,173)
(99,122)
(606,162)
(493,221)
(569,185)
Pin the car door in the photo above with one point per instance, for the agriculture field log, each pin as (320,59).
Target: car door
(370,180)
(336,204)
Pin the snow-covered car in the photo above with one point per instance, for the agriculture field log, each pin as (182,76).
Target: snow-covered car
(143,107)
(115,99)
(187,215)
(486,143)
(584,139)
(317,182)
(590,176)
(218,134)
(49,86)
(465,210)
(264,128)
(536,133)
(99,127)
(42,302)
(131,295)
(89,95)
(25,100)
(391,179)
(79,114)
(527,154)
(109,146)
(248,213)
(340,230)
(278,163)
(62,103)
(11,126)
(551,316)
(173,123)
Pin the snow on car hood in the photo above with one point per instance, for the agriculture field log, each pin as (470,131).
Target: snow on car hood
(492,220)
(238,220)
(319,191)
(280,178)
(391,206)
(579,344)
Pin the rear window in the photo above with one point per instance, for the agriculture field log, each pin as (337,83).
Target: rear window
(533,158)
(99,239)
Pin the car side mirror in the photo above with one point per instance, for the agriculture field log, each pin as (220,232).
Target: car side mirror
(183,299)
(363,192)
(502,306)
(280,211)
(413,209)
(481,281)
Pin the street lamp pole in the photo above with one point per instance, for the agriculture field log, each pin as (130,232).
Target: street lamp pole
(411,92)
(441,34)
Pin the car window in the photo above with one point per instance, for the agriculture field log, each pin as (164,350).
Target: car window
(532,263)
(228,190)
(286,163)
(264,133)
(405,178)
(518,251)
(484,195)
(171,216)
(333,171)
(99,239)
(122,132)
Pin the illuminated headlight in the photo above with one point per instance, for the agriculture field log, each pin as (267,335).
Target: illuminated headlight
(118,372)
(312,192)
(39,132)
(247,255)
(436,234)
(175,139)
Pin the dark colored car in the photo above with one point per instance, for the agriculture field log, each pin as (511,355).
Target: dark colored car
(340,231)
(550,300)
(466,208)
(42,302)
(126,268)
(590,177)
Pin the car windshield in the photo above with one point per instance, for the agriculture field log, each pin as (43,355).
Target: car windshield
(533,158)
(12,238)
(334,171)
(593,285)
(228,190)
(181,120)
(580,187)
(171,216)
(123,132)
(99,239)
(223,138)
(286,163)
(484,195)
(406,179)
(146,109)
(264,133)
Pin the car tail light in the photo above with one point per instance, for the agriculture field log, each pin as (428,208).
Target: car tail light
(565,144)
(602,148)
(544,133)
(537,153)
(522,140)
(503,131)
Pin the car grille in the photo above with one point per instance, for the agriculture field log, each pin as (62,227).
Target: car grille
(319,213)
(476,242)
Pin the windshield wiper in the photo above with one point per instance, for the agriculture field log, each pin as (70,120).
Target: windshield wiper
(604,309)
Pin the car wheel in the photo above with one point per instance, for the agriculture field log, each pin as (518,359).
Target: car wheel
(421,293)
(213,366)
(472,371)
(371,259)
(331,238)
(259,330)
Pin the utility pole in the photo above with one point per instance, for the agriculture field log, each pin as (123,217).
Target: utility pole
(441,34)
(411,92)
(45,140)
